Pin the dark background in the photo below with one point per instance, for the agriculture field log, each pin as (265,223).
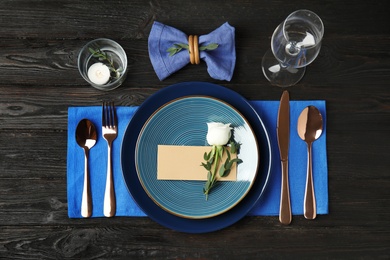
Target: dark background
(39,80)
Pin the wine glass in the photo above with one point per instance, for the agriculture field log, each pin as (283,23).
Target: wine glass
(295,43)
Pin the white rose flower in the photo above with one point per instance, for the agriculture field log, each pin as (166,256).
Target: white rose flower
(218,133)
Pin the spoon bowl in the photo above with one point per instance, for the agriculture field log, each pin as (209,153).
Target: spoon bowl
(86,137)
(310,127)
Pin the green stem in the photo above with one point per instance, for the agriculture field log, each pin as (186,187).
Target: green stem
(213,174)
(111,64)
(218,156)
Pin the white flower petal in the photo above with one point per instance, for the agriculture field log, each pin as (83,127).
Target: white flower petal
(218,133)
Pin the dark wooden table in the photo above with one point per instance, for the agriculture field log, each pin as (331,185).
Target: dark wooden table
(39,80)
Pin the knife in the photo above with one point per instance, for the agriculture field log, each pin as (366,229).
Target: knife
(283,134)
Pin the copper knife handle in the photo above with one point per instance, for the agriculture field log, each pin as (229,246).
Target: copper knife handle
(285,207)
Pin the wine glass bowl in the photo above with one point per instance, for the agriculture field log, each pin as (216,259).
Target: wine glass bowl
(295,44)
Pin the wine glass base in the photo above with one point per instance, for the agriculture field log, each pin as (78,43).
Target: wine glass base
(279,75)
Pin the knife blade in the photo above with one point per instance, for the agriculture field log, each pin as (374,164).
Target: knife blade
(283,135)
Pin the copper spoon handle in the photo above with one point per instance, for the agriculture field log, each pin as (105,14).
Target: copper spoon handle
(285,207)
(310,200)
(86,202)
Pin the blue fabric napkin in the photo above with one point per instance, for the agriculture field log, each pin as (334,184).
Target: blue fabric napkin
(220,62)
(268,204)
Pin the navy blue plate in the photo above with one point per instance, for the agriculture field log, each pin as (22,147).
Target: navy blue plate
(132,181)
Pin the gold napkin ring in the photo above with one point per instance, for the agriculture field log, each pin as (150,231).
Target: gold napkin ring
(196,50)
(193,49)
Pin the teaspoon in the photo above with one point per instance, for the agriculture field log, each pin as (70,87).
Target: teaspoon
(310,129)
(86,137)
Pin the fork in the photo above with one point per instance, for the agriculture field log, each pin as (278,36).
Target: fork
(109,132)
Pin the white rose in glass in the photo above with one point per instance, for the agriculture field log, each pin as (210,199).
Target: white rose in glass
(218,133)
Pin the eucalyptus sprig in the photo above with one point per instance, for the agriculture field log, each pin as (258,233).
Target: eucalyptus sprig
(213,161)
(103,56)
(177,47)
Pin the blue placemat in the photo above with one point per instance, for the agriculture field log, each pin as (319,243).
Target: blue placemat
(268,204)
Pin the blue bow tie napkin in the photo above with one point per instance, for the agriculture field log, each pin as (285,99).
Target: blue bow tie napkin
(220,62)
(268,204)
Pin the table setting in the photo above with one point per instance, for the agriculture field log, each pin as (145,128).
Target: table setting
(264,201)
(197,130)
(280,170)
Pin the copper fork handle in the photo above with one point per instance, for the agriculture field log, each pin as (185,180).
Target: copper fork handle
(285,207)
(109,195)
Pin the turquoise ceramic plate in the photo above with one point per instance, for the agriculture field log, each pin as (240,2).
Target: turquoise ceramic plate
(184,122)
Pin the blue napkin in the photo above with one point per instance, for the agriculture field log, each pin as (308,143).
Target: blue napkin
(268,204)
(220,62)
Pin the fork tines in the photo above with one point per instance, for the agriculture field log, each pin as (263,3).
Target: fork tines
(109,116)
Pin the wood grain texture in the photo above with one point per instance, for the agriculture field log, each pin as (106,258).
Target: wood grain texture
(39,80)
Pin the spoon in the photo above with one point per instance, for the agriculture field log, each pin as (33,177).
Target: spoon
(309,130)
(86,137)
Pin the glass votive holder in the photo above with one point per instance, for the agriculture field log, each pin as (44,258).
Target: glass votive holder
(103,64)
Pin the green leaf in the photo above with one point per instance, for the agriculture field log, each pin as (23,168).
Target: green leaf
(206,156)
(207,166)
(91,50)
(209,47)
(182,45)
(222,170)
(177,47)
(171,49)
(229,165)
(228,154)
(236,160)
(234,147)
(226,173)
(226,164)
(211,160)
